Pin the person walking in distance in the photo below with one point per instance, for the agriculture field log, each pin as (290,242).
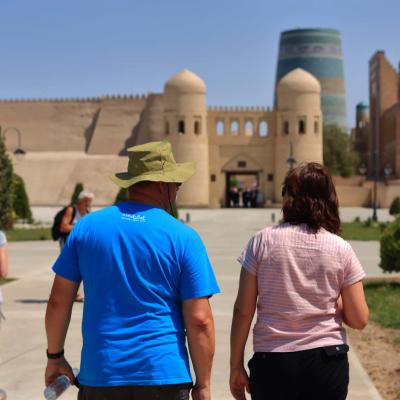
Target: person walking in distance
(147,282)
(74,213)
(305,281)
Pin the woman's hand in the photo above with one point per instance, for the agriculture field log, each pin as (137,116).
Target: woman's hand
(237,382)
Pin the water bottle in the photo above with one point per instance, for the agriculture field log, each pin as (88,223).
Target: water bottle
(59,386)
(3,394)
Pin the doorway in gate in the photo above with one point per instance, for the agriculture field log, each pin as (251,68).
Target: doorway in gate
(241,189)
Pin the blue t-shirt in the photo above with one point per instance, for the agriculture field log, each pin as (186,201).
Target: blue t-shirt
(137,264)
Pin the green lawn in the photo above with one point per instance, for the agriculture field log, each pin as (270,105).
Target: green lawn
(383,299)
(361,230)
(7,280)
(19,235)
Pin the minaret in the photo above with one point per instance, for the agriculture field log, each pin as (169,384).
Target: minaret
(185,127)
(299,121)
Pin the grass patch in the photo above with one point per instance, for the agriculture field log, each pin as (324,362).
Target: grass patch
(383,299)
(362,230)
(7,280)
(19,235)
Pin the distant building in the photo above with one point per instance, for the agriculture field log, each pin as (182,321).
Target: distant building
(377,127)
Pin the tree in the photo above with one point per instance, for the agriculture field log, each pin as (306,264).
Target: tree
(6,187)
(121,196)
(395,207)
(339,158)
(390,247)
(78,189)
(233,181)
(21,200)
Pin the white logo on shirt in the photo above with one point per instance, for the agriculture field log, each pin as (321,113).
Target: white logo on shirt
(136,218)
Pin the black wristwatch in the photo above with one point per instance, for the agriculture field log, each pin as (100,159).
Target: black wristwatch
(54,356)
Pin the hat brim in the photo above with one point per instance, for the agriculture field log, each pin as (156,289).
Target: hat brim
(183,172)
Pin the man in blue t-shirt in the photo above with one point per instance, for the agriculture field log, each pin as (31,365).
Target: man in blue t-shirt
(147,282)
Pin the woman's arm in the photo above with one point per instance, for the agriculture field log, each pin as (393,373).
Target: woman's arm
(355,310)
(243,313)
(3,262)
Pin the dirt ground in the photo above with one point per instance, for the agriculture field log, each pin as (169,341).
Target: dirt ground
(379,352)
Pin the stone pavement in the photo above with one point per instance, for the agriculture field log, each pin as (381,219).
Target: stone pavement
(224,232)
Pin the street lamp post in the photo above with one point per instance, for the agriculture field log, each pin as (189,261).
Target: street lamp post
(19,152)
(291,161)
(388,170)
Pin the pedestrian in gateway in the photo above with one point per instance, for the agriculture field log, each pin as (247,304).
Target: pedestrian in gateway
(147,282)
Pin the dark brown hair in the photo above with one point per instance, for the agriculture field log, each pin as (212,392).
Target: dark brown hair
(311,198)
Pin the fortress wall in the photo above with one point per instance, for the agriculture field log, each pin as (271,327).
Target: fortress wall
(117,125)
(48,125)
(151,127)
(71,124)
(51,179)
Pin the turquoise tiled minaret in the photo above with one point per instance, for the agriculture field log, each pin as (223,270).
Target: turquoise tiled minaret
(318,51)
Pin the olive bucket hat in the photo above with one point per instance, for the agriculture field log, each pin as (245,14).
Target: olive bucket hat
(153,162)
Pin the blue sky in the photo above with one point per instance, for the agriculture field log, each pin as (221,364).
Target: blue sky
(89,48)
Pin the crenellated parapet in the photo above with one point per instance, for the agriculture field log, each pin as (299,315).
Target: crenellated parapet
(237,109)
(225,122)
(78,99)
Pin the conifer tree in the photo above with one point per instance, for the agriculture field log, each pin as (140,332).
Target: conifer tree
(78,189)
(21,200)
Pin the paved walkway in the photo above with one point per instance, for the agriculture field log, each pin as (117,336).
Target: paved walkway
(224,232)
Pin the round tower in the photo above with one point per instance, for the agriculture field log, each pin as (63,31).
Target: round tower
(362,115)
(299,121)
(319,52)
(185,127)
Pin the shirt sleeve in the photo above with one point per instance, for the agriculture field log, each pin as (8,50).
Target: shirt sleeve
(251,256)
(197,275)
(67,264)
(353,271)
(3,239)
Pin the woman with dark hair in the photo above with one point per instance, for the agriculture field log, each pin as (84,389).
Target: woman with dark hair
(305,281)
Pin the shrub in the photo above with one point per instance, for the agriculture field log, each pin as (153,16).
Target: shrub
(233,181)
(6,187)
(20,200)
(368,222)
(78,189)
(357,219)
(121,196)
(390,247)
(395,207)
(175,210)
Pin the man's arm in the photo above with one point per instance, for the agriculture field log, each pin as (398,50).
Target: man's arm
(58,316)
(3,262)
(201,339)
(66,226)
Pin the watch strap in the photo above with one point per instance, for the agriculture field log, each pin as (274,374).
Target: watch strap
(54,356)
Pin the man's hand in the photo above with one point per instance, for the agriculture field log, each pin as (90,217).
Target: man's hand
(201,393)
(58,367)
(237,382)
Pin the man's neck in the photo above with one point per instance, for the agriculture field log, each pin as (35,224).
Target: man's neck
(147,199)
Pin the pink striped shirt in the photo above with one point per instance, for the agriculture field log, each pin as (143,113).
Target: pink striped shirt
(300,274)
